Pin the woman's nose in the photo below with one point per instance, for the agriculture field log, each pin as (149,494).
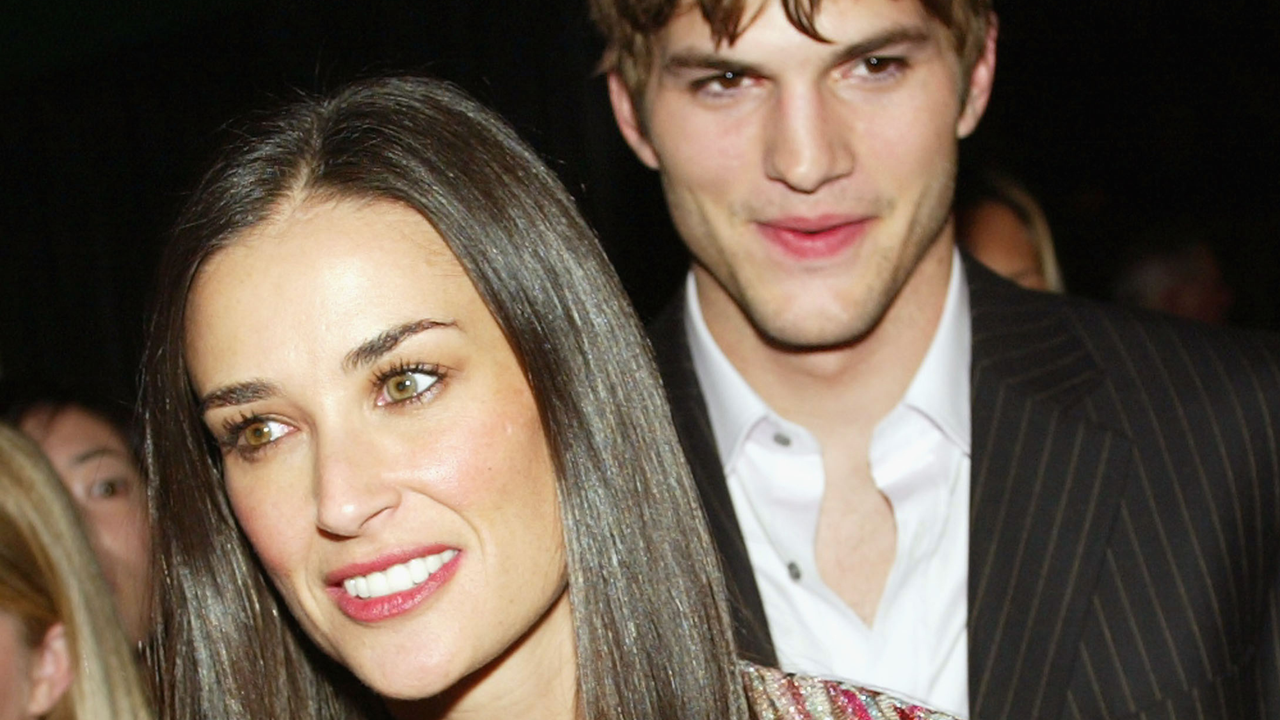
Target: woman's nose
(351,492)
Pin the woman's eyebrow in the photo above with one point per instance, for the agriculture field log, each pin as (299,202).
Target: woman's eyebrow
(374,348)
(237,394)
(95,453)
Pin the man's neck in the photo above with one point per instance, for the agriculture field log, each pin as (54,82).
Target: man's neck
(848,389)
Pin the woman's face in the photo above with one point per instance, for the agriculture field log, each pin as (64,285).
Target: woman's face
(95,463)
(382,449)
(1000,239)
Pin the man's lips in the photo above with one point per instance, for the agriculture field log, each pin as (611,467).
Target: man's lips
(814,238)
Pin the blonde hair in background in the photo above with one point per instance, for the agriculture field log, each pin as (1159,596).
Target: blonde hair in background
(1028,209)
(991,186)
(48,575)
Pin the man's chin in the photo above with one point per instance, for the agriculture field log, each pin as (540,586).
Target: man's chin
(812,336)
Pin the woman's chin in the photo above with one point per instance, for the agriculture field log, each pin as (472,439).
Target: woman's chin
(406,683)
(407,697)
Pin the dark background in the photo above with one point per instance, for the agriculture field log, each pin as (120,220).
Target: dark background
(1126,117)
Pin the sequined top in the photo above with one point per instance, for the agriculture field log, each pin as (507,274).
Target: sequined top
(775,695)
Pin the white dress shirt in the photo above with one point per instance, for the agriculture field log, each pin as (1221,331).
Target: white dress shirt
(918,645)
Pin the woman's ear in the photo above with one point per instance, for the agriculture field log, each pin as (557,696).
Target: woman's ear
(52,670)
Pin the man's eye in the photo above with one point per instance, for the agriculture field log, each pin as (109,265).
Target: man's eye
(720,82)
(407,385)
(879,66)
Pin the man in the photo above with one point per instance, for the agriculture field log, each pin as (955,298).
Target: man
(920,477)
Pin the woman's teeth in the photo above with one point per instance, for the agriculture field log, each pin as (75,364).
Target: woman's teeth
(396,578)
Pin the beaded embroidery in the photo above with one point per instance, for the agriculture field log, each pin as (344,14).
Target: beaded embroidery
(775,695)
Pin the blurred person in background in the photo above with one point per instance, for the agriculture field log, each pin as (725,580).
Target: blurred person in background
(87,441)
(1175,272)
(1002,225)
(63,653)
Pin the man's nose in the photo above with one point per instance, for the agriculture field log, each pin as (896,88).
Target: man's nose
(809,140)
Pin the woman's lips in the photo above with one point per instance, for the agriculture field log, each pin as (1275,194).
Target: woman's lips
(391,586)
(814,238)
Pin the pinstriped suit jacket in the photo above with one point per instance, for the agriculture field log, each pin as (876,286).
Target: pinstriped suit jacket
(1125,510)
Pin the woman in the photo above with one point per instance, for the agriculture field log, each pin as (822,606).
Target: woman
(406,427)
(88,443)
(1003,226)
(62,652)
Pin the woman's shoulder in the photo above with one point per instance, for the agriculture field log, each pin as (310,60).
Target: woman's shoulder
(776,695)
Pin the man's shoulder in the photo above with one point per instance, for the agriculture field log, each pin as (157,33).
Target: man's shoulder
(1141,341)
(1120,340)
(670,343)
(666,329)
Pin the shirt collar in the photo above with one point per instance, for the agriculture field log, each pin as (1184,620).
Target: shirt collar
(732,406)
(939,390)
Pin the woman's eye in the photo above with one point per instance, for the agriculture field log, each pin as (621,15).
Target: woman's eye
(261,432)
(106,489)
(407,385)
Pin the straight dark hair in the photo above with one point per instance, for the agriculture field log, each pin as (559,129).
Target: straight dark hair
(652,634)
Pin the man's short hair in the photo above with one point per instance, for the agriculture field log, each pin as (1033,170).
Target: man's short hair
(629,27)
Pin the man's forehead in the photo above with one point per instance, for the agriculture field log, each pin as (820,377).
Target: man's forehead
(766,34)
(835,21)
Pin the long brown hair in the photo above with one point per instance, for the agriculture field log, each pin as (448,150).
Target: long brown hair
(48,575)
(226,645)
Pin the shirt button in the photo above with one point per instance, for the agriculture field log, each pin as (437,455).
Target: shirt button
(782,440)
(794,571)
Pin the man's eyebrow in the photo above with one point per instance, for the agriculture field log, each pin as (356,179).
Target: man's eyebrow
(698,60)
(374,348)
(703,60)
(907,35)
(237,394)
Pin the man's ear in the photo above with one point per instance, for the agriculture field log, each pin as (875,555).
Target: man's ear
(628,118)
(981,78)
(52,670)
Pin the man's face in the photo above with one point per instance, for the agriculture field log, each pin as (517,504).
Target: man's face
(807,178)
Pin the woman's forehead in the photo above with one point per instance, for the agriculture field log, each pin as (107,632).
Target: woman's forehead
(322,281)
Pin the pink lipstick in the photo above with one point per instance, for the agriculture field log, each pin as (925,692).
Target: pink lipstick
(393,584)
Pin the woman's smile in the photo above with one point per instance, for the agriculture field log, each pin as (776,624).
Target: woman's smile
(375,595)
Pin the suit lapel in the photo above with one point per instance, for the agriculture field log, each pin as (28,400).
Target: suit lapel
(671,348)
(1045,482)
